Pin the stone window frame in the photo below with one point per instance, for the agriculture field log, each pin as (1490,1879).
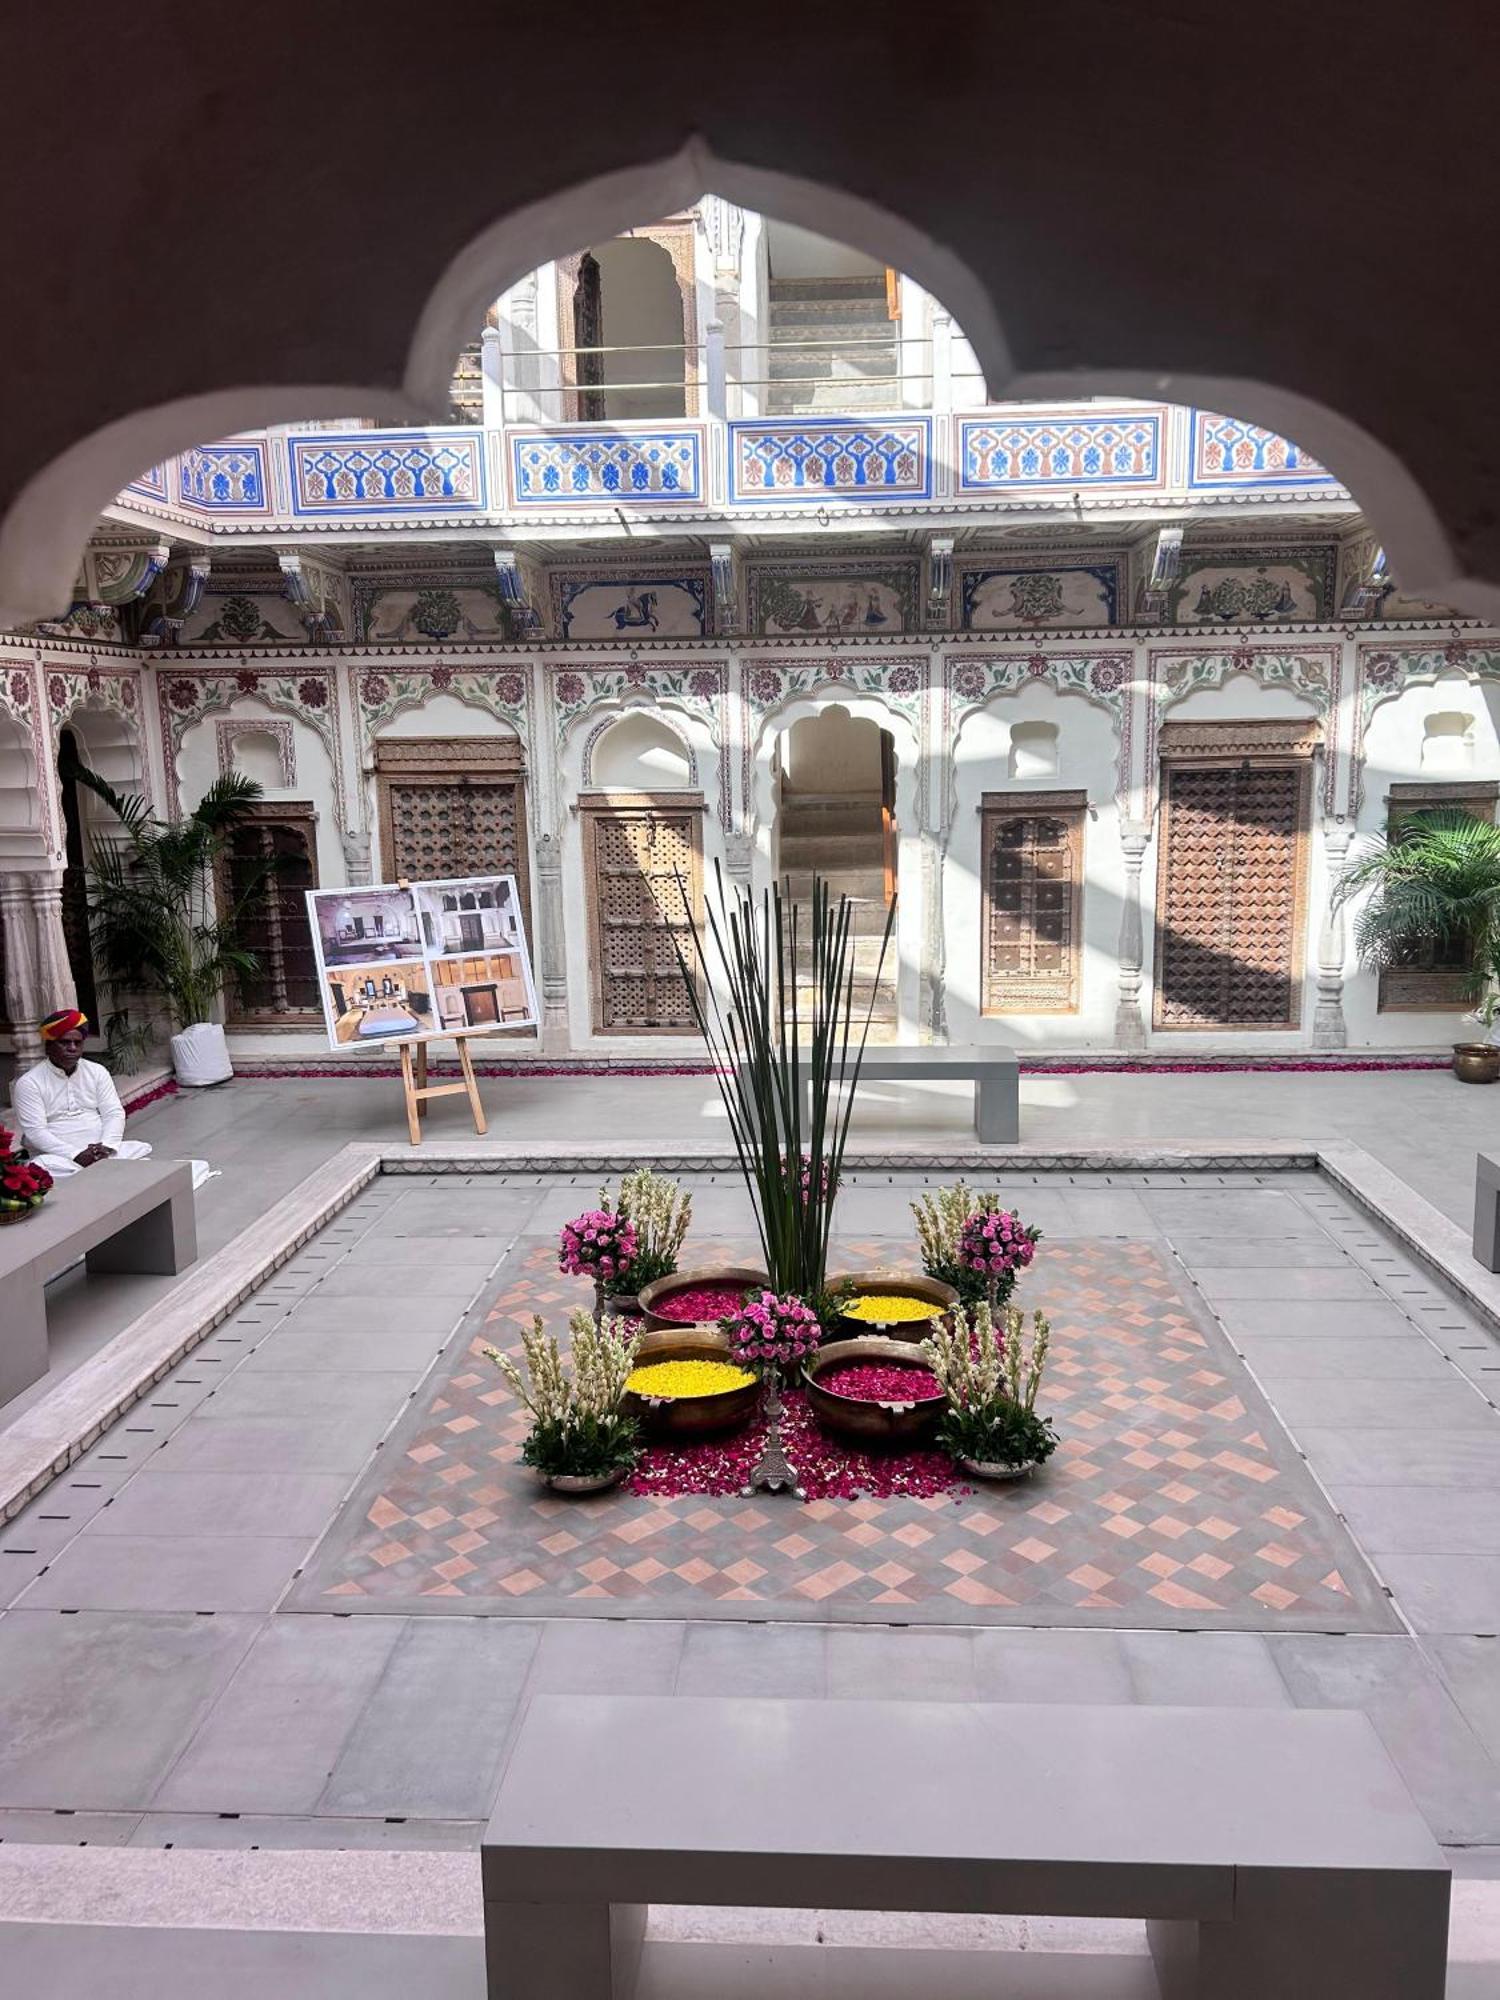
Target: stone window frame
(1428,988)
(593,807)
(1073,807)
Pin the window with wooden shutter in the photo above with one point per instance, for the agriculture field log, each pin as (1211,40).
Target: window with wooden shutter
(1032,869)
(268,865)
(1431,976)
(640,851)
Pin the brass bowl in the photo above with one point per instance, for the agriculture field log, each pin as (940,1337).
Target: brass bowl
(685,1419)
(677,1281)
(1476,1062)
(870,1426)
(901,1285)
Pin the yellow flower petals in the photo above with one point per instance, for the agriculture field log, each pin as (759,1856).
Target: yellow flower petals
(688,1378)
(885,1308)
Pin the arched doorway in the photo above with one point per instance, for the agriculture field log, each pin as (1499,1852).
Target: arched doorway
(629,333)
(836,818)
(100,740)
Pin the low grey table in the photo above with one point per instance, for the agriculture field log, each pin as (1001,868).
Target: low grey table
(122,1215)
(1272,1852)
(994,1068)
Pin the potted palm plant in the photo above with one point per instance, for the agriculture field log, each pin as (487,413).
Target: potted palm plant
(1434,880)
(154,923)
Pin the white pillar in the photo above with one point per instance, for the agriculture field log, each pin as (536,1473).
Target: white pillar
(23,1007)
(552,943)
(54,976)
(492,377)
(942,359)
(717,382)
(1330,1031)
(1130,1028)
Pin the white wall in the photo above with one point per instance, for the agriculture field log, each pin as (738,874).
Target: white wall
(640,754)
(641,306)
(198,766)
(1395,740)
(1087,757)
(833,752)
(800,253)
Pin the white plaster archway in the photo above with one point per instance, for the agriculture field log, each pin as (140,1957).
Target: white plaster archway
(45,530)
(915,886)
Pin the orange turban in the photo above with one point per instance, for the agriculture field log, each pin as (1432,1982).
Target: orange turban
(63,1022)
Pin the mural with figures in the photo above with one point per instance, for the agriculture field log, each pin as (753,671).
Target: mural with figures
(995,600)
(665,607)
(1253,586)
(867,598)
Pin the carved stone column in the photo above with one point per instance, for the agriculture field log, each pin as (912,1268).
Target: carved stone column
(551,943)
(1330,1030)
(356,844)
(1130,1028)
(739,856)
(23,1006)
(54,975)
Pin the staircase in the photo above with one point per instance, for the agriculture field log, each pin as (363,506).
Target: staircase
(807,312)
(842,838)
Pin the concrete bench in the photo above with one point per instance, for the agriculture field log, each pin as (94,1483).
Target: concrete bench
(1271,1852)
(994,1068)
(122,1215)
(1487,1211)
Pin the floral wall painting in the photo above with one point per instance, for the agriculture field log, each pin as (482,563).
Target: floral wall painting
(1253,586)
(866,599)
(1061,594)
(244,618)
(632,607)
(436,612)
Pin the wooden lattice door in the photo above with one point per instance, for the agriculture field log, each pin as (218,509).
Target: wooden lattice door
(1230,895)
(1033,876)
(451,809)
(638,861)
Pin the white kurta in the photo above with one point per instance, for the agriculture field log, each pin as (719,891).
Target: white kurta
(61,1115)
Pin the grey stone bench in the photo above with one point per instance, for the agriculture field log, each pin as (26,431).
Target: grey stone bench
(994,1068)
(122,1215)
(1272,1852)
(1487,1211)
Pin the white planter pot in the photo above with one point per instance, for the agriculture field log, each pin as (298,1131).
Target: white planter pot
(200,1055)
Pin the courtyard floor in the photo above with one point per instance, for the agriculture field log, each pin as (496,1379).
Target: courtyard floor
(295,1597)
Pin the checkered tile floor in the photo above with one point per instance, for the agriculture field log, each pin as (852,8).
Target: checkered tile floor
(1174,1500)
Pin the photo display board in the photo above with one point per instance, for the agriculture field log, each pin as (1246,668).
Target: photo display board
(431,958)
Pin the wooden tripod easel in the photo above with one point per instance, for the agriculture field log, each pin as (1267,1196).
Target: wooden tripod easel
(414,1077)
(418,1089)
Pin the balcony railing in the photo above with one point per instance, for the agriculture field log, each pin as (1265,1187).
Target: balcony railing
(517,467)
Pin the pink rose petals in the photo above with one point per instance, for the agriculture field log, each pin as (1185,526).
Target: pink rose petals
(875,1382)
(698,1303)
(826,1469)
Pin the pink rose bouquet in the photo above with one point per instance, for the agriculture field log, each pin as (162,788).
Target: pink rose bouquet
(772,1332)
(993,1245)
(598,1245)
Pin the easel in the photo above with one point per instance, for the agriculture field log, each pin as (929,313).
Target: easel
(418,1089)
(414,1077)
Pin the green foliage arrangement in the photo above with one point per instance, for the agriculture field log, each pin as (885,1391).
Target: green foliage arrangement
(154,922)
(991,1380)
(661,1213)
(1434,880)
(578,1430)
(775,1033)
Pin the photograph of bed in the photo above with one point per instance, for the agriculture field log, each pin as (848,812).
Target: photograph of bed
(376,1002)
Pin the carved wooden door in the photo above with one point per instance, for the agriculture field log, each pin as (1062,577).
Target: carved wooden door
(1230,895)
(440,828)
(637,864)
(1032,900)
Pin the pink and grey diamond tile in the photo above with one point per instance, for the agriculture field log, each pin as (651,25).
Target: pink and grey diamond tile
(1175,1498)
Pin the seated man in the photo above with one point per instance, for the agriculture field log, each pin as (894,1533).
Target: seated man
(68,1110)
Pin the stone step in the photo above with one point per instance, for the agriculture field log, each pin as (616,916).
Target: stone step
(828,288)
(861,885)
(828,854)
(870,335)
